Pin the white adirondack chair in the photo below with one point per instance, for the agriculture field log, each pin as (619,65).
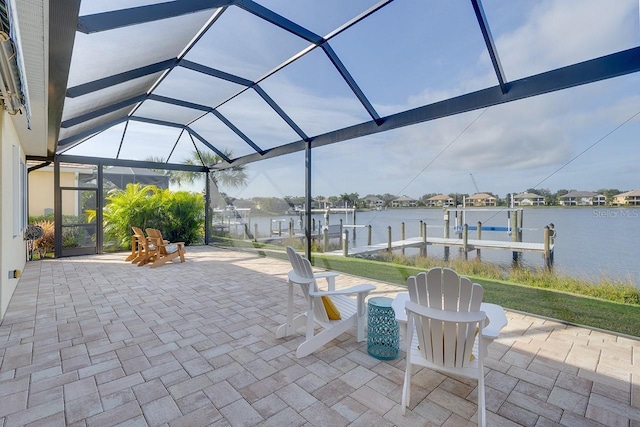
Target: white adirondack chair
(352,311)
(444,320)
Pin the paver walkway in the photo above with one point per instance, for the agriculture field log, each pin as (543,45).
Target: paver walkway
(94,341)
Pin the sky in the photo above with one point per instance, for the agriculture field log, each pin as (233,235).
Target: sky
(410,53)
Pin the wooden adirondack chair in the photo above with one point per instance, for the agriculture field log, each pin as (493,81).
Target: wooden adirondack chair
(352,312)
(145,250)
(166,250)
(445,329)
(136,248)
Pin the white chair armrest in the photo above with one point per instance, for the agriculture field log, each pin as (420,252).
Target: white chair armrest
(495,313)
(358,289)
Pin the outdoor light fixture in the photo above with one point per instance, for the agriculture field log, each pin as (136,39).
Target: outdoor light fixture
(10,91)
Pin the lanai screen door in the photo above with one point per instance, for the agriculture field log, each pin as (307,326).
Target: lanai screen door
(78,210)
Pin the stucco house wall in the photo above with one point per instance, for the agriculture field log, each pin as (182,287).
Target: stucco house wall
(41,191)
(12,246)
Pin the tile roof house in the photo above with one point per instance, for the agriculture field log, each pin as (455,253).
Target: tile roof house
(481,199)
(630,198)
(373,202)
(440,200)
(583,198)
(403,202)
(528,199)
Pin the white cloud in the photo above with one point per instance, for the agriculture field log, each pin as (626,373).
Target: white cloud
(559,33)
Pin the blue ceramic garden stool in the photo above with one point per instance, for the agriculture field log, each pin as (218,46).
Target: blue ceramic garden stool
(383,337)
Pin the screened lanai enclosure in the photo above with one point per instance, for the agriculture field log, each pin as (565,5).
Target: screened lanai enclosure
(313,102)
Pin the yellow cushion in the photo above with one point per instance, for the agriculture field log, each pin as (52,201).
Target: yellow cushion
(472,357)
(332,311)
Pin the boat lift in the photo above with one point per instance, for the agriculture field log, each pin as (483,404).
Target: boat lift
(514,223)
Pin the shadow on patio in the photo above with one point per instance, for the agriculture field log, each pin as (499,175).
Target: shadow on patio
(96,341)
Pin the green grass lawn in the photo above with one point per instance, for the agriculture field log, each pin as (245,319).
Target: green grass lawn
(581,310)
(557,304)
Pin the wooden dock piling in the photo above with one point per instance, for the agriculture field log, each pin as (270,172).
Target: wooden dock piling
(325,239)
(514,233)
(446,234)
(548,252)
(479,233)
(345,243)
(465,240)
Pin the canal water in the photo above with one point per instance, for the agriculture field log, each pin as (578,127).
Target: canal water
(590,242)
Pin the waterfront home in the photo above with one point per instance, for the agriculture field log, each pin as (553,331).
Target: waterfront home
(481,199)
(630,198)
(373,202)
(439,201)
(583,198)
(404,202)
(528,199)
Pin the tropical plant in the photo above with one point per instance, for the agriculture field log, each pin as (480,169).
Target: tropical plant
(179,215)
(45,244)
(183,218)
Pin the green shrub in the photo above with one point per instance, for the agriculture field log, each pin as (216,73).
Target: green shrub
(178,215)
(41,218)
(73,237)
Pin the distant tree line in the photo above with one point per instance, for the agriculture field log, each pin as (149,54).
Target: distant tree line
(275,205)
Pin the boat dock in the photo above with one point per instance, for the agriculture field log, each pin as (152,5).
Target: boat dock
(516,246)
(471,244)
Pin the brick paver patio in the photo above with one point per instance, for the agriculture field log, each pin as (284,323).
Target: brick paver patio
(94,341)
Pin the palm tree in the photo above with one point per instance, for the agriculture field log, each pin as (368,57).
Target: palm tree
(350,198)
(234,177)
(175,177)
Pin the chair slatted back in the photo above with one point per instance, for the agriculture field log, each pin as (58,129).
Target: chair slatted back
(142,240)
(446,343)
(302,268)
(164,246)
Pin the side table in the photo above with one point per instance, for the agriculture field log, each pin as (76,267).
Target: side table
(383,338)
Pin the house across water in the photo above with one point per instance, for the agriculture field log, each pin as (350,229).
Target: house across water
(583,198)
(630,198)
